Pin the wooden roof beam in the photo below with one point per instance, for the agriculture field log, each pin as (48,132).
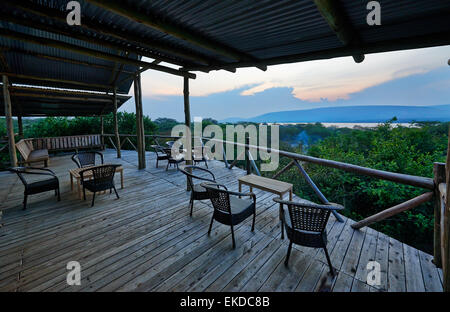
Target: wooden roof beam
(90,52)
(89,25)
(60,59)
(340,25)
(180,33)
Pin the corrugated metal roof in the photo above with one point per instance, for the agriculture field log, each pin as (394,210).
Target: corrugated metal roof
(260,32)
(30,101)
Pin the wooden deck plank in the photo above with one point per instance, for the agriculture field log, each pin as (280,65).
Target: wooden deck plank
(414,279)
(146,241)
(396,270)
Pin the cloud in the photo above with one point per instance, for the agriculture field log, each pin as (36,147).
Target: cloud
(313,81)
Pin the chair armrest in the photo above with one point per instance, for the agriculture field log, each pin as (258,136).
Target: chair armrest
(330,206)
(101,156)
(74,159)
(204,170)
(250,194)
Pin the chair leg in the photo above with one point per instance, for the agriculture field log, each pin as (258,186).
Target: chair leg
(25,197)
(282,229)
(288,254)
(84,193)
(191,204)
(157,160)
(232,237)
(329,261)
(210,225)
(167,167)
(206,164)
(93,198)
(59,194)
(115,191)
(254,217)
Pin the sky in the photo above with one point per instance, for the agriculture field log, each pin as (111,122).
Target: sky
(413,77)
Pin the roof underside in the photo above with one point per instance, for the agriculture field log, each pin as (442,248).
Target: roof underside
(199,35)
(34,102)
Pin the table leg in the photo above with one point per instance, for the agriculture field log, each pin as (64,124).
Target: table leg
(121,179)
(79,188)
(240,188)
(290,195)
(71,181)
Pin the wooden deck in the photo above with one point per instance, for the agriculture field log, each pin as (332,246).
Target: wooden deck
(146,241)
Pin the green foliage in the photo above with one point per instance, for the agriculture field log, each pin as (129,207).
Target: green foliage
(403,150)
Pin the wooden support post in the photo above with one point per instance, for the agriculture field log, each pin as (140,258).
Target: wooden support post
(9,122)
(20,125)
(446,226)
(247,158)
(187,122)
(139,122)
(102,132)
(439,177)
(116,125)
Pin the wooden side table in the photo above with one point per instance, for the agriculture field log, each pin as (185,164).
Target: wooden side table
(75,174)
(266,184)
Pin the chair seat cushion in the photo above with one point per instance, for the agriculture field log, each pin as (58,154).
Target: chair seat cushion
(199,192)
(41,186)
(38,155)
(241,209)
(97,187)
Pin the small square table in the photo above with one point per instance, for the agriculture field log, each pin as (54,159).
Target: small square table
(266,184)
(75,173)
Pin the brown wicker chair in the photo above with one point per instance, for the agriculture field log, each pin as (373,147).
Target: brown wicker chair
(306,225)
(86,159)
(35,187)
(197,191)
(229,209)
(103,179)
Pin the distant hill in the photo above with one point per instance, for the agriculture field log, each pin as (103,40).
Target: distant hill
(362,114)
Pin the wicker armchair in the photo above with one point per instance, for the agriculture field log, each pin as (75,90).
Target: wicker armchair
(40,186)
(229,208)
(160,154)
(198,154)
(103,179)
(86,159)
(306,225)
(197,191)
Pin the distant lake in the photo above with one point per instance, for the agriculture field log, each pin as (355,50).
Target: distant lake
(348,124)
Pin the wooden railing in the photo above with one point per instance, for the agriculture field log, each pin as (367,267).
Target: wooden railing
(437,191)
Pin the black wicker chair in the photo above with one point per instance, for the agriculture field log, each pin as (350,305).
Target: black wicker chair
(229,208)
(103,179)
(198,154)
(306,225)
(160,154)
(172,160)
(86,159)
(197,191)
(35,187)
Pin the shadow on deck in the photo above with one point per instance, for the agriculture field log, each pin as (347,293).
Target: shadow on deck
(146,241)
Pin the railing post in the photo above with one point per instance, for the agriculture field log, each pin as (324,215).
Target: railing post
(247,156)
(116,125)
(9,122)
(102,132)
(439,177)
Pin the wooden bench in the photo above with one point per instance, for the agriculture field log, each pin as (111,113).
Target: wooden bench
(37,149)
(66,143)
(30,154)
